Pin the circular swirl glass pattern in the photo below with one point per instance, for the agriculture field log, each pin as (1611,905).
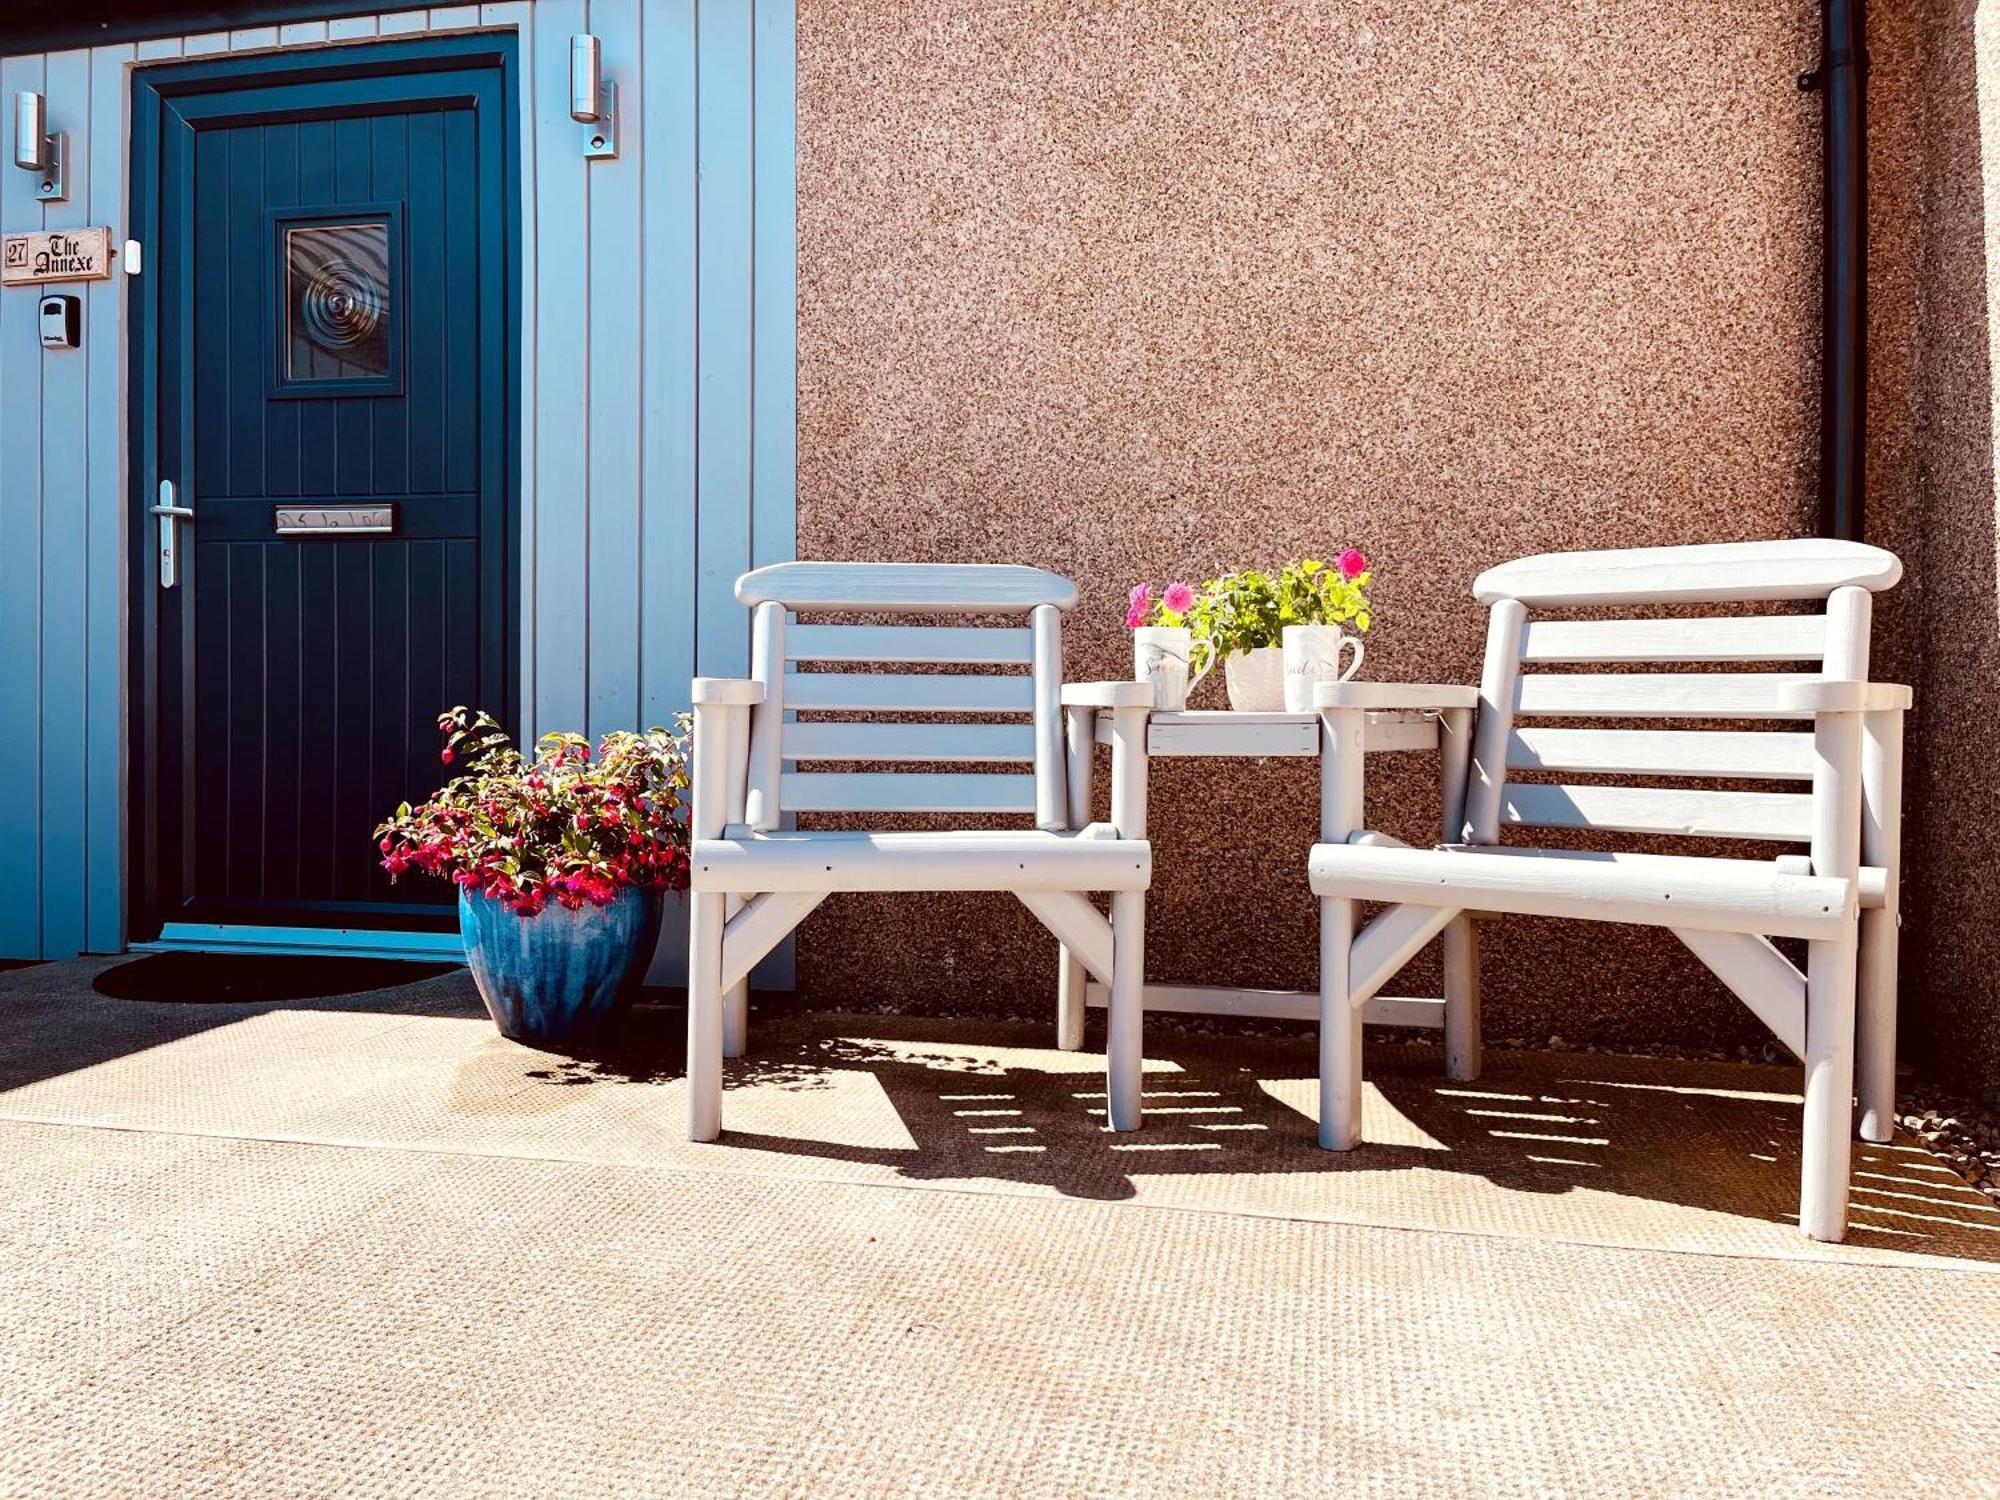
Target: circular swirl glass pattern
(341,305)
(339,297)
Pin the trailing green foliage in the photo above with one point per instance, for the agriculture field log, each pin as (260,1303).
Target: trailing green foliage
(1245,610)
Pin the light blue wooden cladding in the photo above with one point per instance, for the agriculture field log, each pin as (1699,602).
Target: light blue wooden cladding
(667,316)
(657,442)
(103,424)
(557,525)
(774,284)
(65,485)
(22,540)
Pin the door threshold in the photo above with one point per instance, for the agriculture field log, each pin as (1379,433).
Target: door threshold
(316,942)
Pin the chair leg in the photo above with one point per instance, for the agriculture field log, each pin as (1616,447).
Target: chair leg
(1829,1111)
(1124,1061)
(705,1007)
(1339,1030)
(1071,979)
(1875,1024)
(735,1000)
(1461,1001)
(736,1019)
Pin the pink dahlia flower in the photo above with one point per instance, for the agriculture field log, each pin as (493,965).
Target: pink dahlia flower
(1352,563)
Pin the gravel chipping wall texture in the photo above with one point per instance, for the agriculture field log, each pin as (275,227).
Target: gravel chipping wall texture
(1148,290)
(1952,976)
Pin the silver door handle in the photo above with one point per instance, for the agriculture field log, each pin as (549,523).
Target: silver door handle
(171,515)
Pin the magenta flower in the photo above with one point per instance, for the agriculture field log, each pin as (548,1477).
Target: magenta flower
(1179,598)
(1141,601)
(1352,563)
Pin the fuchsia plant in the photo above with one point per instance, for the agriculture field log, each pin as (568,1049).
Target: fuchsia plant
(571,826)
(1169,608)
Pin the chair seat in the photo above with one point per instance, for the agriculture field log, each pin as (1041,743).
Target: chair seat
(1658,890)
(996,860)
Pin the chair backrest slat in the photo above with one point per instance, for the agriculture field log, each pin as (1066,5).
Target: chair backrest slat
(1513,763)
(921,588)
(1658,695)
(833,740)
(938,700)
(1782,816)
(900,692)
(1664,752)
(1706,573)
(897,792)
(1722,638)
(958,645)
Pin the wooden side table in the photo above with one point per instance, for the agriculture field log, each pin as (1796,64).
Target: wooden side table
(1442,723)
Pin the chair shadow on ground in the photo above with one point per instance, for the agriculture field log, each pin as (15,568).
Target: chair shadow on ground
(990,1101)
(966,1101)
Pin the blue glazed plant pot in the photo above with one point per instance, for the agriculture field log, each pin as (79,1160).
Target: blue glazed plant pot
(557,975)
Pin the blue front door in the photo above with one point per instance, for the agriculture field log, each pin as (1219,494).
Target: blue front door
(324,517)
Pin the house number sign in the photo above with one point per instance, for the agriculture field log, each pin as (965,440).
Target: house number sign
(55,255)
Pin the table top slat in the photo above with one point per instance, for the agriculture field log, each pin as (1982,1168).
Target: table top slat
(1225,732)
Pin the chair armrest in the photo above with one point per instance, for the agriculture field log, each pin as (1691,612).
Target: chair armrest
(1107,695)
(1127,704)
(727,691)
(1387,695)
(1836,696)
(1373,838)
(721,751)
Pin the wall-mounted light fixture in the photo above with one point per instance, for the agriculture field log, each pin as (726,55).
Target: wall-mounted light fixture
(593,99)
(36,149)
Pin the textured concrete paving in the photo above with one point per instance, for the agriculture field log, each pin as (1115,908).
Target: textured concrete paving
(362,1246)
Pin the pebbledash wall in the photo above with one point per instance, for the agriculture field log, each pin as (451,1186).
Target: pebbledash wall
(657,387)
(1145,290)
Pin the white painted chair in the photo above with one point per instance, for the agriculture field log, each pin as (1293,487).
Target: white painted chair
(1841,897)
(752,882)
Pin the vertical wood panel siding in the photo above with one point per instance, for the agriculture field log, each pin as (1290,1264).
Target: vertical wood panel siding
(658,441)
(22,628)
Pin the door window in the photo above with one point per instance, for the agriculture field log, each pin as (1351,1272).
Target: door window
(339,312)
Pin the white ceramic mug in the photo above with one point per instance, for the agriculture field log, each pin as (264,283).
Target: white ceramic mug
(1160,656)
(1312,656)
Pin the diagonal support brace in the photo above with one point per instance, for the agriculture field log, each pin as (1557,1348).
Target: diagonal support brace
(759,927)
(1385,945)
(1761,977)
(1078,926)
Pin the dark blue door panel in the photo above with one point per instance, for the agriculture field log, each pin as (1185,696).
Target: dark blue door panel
(330,322)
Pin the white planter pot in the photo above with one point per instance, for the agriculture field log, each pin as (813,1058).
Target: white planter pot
(1256,680)
(1160,656)
(1312,655)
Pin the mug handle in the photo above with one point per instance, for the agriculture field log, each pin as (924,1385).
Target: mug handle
(1208,666)
(1359,652)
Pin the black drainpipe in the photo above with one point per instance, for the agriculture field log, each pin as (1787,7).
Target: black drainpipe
(1841,80)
